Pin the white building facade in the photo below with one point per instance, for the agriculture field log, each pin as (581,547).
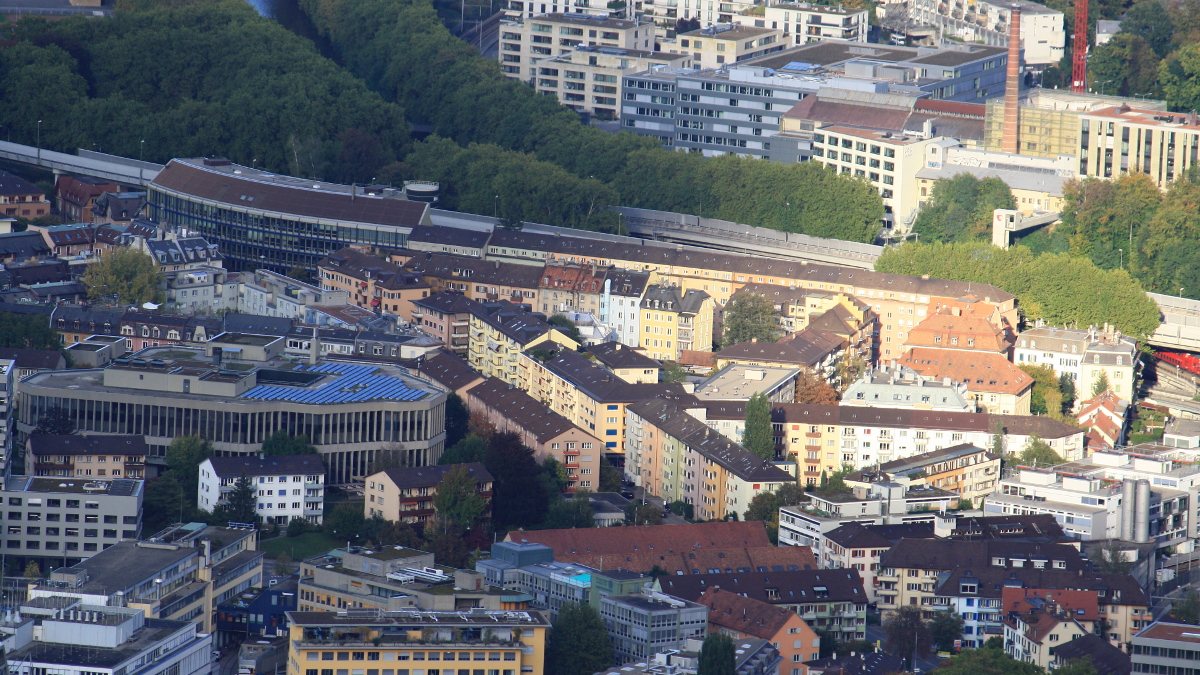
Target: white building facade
(286,487)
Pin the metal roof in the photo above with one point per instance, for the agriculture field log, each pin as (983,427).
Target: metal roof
(353,383)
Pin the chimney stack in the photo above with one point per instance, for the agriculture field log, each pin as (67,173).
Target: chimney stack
(1010,135)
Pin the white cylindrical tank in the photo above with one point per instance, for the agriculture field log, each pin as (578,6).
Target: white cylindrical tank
(1141,515)
(1127,498)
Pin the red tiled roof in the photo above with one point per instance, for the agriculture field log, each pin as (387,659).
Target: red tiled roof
(980,371)
(745,615)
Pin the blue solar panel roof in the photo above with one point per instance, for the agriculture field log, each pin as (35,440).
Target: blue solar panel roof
(355,383)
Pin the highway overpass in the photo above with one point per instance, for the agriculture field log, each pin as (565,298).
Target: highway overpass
(120,170)
(1180,328)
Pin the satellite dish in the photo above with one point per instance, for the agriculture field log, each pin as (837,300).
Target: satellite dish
(150,305)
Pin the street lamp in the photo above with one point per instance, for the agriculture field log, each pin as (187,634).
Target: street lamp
(496,208)
(142,151)
(39,141)
(1102,86)
(1121,258)
(1181,293)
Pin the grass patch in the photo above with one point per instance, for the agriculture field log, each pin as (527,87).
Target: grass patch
(304,546)
(175,354)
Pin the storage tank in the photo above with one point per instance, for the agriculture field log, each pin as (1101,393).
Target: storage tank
(1141,516)
(421,192)
(1127,498)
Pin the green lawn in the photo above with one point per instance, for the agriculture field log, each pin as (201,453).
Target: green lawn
(308,544)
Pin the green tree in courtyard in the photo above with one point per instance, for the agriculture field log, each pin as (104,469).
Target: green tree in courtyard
(750,316)
(577,643)
(759,436)
(717,655)
(127,274)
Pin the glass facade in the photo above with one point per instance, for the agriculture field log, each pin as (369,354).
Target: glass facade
(252,240)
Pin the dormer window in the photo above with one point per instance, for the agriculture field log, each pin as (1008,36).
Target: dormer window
(968,586)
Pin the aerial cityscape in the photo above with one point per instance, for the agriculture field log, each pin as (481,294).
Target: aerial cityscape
(600,337)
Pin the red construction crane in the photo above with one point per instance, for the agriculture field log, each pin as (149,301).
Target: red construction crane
(1079,58)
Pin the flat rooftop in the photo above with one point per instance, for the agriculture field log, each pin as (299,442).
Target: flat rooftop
(821,9)
(153,632)
(122,567)
(737,32)
(739,382)
(589,20)
(249,339)
(415,617)
(117,487)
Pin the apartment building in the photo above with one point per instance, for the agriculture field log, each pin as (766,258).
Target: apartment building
(812,349)
(677,457)
(70,520)
(900,387)
(569,288)
(512,642)
(1050,122)
(1034,626)
(619,301)
(968,470)
(588,395)
(182,574)
(627,616)
(1164,645)
(995,384)
(500,331)
(1043,36)
(675,319)
(482,281)
(860,547)
(740,617)
(406,495)
(977,592)
(73,638)
(19,197)
(804,22)
(1123,140)
(949,328)
(540,35)
(1086,356)
(824,438)
(447,317)
(909,571)
(267,293)
(371,282)
(827,600)
(388,579)
(288,487)
(548,434)
(728,43)
(587,79)
(88,457)
(628,363)
(898,300)
(451,240)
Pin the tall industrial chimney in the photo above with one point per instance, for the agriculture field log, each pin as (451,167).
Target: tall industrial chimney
(314,348)
(1010,135)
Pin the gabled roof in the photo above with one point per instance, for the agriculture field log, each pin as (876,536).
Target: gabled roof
(698,561)
(617,355)
(744,615)
(512,320)
(787,588)
(448,370)
(980,371)
(857,535)
(860,663)
(805,348)
(449,236)
(15,185)
(275,465)
(1105,658)
(429,476)
(475,270)
(601,385)
(967,332)
(23,245)
(521,409)
(44,359)
(1113,589)
(950,554)
(447,302)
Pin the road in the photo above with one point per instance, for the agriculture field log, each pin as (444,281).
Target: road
(669,519)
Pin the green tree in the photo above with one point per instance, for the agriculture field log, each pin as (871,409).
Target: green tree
(126,273)
(610,476)
(33,571)
(750,316)
(27,331)
(1047,396)
(55,421)
(457,501)
(1066,385)
(759,436)
(346,522)
(283,443)
(673,373)
(811,388)
(283,564)
(991,660)
(834,484)
(637,513)
(577,643)
(1149,20)
(446,544)
(944,629)
(1183,610)
(458,418)
(184,457)
(565,325)
(241,506)
(1101,384)
(519,498)
(164,503)
(1179,77)
(1125,65)
(569,513)
(1039,453)
(960,208)
(906,633)
(717,655)
(471,448)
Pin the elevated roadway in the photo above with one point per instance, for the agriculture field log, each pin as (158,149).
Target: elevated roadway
(1180,328)
(120,170)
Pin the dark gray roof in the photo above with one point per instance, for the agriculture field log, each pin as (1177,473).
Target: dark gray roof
(524,410)
(1027,425)
(447,369)
(44,359)
(602,385)
(447,302)
(617,355)
(449,236)
(15,185)
(860,663)
(673,298)
(857,535)
(1105,658)
(124,566)
(511,320)
(429,476)
(626,282)
(713,445)
(23,245)
(87,445)
(950,554)
(255,323)
(233,467)
(800,586)
(1114,589)
(806,348)
(475,270)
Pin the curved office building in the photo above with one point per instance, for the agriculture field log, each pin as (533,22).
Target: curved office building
(265,220)
(350,412)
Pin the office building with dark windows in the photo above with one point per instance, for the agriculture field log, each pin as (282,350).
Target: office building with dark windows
(265,220)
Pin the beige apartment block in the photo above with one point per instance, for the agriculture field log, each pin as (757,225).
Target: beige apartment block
(803,22)
(526,41)
(729,43)
(588,80)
